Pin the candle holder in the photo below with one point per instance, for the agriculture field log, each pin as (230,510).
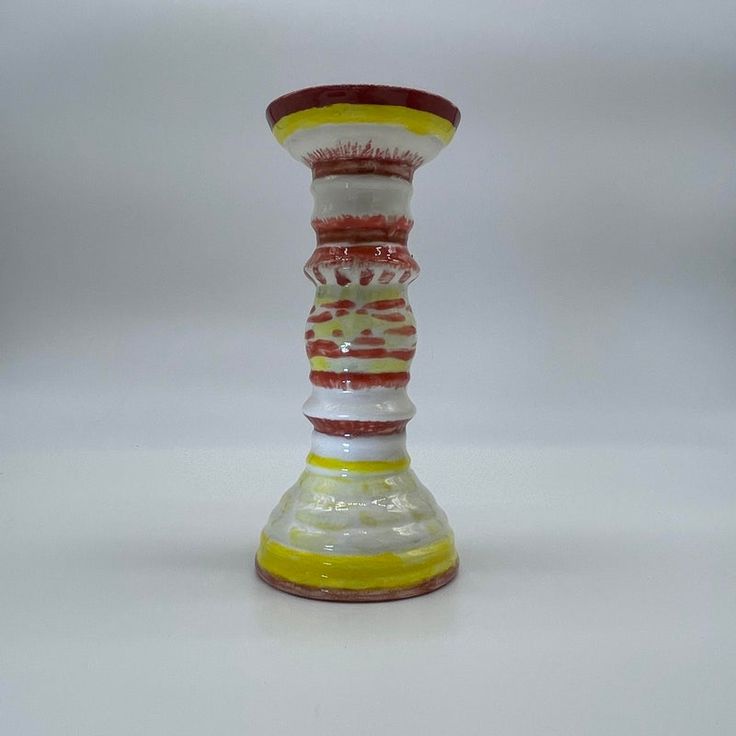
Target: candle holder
(358,525)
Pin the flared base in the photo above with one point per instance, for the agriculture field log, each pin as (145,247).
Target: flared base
(366,595)
(362,536)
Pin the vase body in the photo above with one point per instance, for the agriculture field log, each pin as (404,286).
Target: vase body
(358,525)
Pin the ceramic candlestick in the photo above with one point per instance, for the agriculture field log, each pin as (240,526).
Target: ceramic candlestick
(358,525)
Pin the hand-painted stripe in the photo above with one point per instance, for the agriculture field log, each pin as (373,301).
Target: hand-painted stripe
(360,235)
(356,572)
(389,254)
(418,122)
(348,381)
(362,229)
(352,428)
(331,349)
(380,167)
(358,466)
(362,94)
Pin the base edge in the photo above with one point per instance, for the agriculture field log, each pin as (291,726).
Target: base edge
(370,595)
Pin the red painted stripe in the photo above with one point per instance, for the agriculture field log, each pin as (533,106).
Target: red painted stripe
(365,229)
(392,317)
(391,223)
(379,167)
(361,94)
(321,317)
(389,254)
(405,330)
(346,381)
(353,428)
(362,235)
(330,349)
(339,304)
(384,304)
(323,348)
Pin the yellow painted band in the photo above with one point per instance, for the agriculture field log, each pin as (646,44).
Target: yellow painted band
(361,365)
(345,113)
(357,572)
(358,466)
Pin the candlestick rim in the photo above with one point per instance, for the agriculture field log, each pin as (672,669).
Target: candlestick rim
(361,94)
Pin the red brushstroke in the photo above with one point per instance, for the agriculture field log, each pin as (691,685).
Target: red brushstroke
(342,312)
(309,334)
(330,349)
(377,166)
(324,349)
(392,317)
(362,236)
(353,428)
(366,276)
(347,380)
(384,304)
(339,304)
(362,229)
(321,317)
(352,150)
(405,330)
(341,278)
(350,256)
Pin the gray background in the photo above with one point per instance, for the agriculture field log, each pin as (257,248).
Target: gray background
(581,225)
(577,241)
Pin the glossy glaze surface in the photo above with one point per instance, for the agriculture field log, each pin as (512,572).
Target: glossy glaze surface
(358,524)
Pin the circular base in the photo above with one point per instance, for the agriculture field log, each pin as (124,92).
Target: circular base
(346,595)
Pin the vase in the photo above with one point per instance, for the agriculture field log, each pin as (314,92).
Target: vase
(358,525)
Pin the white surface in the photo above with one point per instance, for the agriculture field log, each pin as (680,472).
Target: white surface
(596,597)
(376,447)
(366,404)
(361,194)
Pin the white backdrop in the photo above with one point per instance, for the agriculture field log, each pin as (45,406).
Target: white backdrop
(582,229)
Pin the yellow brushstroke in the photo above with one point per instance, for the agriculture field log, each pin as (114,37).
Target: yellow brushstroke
(344,113)
(358,466)
(359,365)
(357,572)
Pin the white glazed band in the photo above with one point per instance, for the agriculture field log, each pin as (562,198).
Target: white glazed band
(360,195)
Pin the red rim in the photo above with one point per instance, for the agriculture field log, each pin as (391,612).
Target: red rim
(361,94)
